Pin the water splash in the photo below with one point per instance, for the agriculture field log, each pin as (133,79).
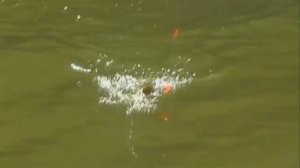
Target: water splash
(126,87)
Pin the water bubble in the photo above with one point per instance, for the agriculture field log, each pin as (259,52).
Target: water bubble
(79,83)
(108,63)
(78,17)
(65,8)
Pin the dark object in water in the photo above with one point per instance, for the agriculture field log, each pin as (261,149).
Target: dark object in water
(148,89)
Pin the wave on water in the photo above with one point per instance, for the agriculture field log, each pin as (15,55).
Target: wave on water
(138,89)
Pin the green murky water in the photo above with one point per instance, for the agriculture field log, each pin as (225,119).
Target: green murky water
(240,111)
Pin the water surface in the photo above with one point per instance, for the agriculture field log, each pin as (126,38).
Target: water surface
(240,110)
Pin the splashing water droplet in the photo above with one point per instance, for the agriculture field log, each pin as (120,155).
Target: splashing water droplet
(137,91)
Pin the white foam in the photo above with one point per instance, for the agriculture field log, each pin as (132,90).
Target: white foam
(126,88)
(80,69)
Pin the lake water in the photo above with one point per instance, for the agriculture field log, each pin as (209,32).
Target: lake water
(62,104)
